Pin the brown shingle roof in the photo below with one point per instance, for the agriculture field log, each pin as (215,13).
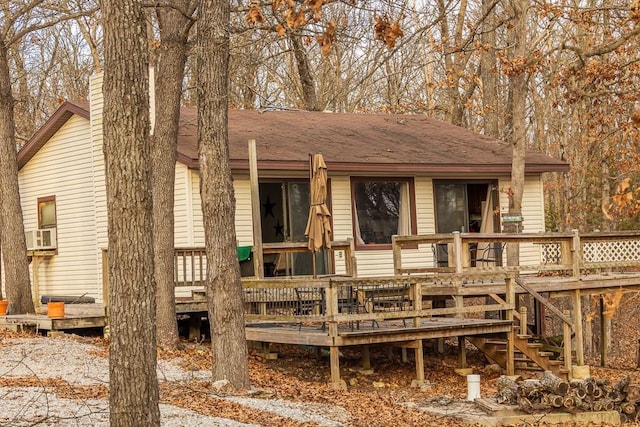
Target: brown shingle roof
(349,142)
(360,142)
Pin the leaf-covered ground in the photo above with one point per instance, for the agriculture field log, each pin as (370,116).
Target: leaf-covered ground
(382,397)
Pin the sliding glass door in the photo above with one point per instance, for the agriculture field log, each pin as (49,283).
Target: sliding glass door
(284,213)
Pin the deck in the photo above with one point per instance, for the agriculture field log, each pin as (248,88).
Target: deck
(421,300)
(368,333)
(77,316)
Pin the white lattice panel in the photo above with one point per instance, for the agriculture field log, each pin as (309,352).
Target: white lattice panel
(611,251)
(551,253)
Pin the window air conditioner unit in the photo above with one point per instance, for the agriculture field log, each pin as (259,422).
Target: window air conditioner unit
(41,239)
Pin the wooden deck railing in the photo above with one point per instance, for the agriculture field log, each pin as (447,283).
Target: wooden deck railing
(371,299)
(573,253)
(190,264)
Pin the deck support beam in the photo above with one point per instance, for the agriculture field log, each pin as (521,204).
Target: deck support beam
(511,335)
(462,352)
(419,356)
(336,383)
(577,321)
(366,358)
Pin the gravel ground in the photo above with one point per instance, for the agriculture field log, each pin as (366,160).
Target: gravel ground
(30,400)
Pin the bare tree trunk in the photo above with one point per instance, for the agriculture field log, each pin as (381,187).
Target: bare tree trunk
(14,246)
(487,71)
(304,72)
(172,56)
(224,288)
(518,89)
(133,386)
(605,199)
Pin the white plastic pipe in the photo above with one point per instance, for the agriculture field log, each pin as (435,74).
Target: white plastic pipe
(473,387)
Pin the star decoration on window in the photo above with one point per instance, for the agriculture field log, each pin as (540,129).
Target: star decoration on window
(268,206)
(278,229)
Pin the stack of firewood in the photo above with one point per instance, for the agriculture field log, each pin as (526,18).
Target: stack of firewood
(590,394)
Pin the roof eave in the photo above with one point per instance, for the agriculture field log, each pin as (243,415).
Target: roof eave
(405,168)
(51,126)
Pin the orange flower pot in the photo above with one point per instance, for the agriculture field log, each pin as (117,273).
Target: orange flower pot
(55,309)
(3,307)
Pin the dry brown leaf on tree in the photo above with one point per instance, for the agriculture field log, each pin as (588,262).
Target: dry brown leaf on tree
(387,31)
(325,40)
(254,16)
(316,7)
(280,30)
(294,18)
(635,10)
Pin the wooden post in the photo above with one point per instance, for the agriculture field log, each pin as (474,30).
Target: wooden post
(366,358)
(459,303)
(604,350)
(419,363)
(462,353)
(105,283)
(576,253)
(258,260)
(36,285)
(511,298)
(523,320)
(416,297)
(336,382)
(566,338)
(351,265)
(334,351)
(195,322)
(465,254)
(397,256)
(457,251)
(577,324)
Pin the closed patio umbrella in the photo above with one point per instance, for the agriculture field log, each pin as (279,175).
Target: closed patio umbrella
(318,228)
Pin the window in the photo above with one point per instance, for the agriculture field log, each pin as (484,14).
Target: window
(382,208)
(47,212)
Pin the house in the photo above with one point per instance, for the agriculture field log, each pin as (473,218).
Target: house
(388,175)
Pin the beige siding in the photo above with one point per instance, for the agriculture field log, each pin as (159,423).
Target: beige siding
(244,223)
(99,186)
(182,210)
(193,206)
(341,215)
(198,225)
(63,168)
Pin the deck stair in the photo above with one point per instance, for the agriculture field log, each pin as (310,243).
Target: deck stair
(529,355)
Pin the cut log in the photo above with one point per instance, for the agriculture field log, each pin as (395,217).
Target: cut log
(603,405)
(580,393)
(525,405)
(589,385)
(598,393)
(569,401)
(554,400)
(628,407)
(554,384)
(615,396)
(622,384)
(633,393)
(507,390)
(532,390)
